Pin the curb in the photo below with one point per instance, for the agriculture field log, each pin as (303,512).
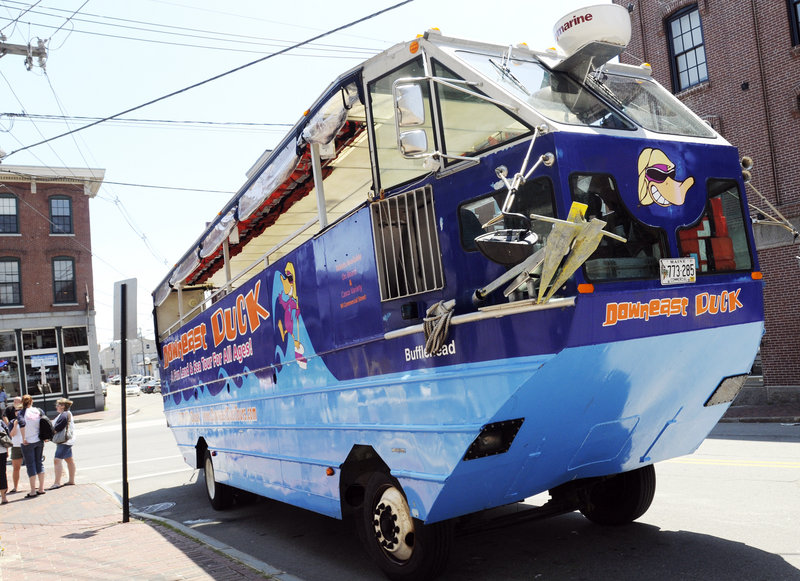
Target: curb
(763,420)
(220,547)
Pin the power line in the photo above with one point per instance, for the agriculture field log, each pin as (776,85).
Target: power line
(216,77)
(70,17)
(357,53)
(104,181)
(21,14)
(220,37)
(249,17)
(128,120)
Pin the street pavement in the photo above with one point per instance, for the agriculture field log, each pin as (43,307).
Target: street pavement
(76,532)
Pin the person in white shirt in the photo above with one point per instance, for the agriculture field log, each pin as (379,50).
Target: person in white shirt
(32,447)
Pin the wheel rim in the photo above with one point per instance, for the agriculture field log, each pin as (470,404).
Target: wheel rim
(393,525)
(211,484)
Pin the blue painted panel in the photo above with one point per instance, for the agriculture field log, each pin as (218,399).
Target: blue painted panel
(286,374)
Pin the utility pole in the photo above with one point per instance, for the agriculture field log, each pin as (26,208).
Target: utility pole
(28,51)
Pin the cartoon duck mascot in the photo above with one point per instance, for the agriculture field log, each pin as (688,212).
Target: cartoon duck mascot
(657,182)
(291,313)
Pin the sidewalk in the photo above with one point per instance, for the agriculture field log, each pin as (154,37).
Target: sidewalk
(76,532)
(786,413)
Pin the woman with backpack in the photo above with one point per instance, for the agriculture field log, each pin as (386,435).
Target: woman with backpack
(29,419)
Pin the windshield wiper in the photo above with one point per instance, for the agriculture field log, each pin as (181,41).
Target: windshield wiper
(506,72)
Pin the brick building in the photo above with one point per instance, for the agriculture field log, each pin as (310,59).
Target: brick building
(737,64)
(48,341)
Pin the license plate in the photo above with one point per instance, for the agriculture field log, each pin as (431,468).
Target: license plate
(678,270)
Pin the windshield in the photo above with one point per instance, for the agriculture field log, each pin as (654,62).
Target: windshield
(553,94)
(648,104)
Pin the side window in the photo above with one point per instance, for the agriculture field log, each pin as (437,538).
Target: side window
(687,49)
(347,173)
(61,215)
(393,168)
(10,287)
(718,242)
(472,125)
(9,214)
(534,197)
(407,244)
(614,260)
(64,280)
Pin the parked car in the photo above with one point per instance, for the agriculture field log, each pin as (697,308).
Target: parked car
(132,389)
(152,386)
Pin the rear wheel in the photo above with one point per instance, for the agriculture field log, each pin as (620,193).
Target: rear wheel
(219,495)
(403,547)
(622,498)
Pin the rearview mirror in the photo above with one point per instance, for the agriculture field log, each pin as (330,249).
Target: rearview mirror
(413,143)
(409,105)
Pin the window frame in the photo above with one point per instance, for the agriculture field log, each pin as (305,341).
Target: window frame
(675,72)
(12,259)
(439,102)
(54,229)
(793,6)
(412,165)
(7,196)
(737,237)
(606,256)
(56,298)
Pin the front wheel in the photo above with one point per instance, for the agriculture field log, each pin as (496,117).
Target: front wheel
(622,498)
(403,547)
(219,495)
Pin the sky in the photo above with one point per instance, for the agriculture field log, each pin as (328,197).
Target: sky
(166,178)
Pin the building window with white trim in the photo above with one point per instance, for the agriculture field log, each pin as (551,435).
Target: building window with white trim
(64,280)
(61,215)
(9,214)
(10,287)
(687,49)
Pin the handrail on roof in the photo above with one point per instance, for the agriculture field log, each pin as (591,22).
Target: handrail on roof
(228,286)
(294,136)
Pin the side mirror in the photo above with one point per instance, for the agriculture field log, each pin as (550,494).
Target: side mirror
(409,105)
(413,143)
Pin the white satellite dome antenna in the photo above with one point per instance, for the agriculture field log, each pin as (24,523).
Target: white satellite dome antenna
(608,24)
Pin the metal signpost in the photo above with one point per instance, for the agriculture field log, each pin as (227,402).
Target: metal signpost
(124,318)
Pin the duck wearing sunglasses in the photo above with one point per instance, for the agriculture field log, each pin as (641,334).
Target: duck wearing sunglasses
(657,183)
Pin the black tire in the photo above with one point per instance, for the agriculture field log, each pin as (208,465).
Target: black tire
(622,498)
(403,547)
(219,495)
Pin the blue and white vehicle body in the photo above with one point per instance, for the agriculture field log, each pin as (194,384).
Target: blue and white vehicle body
(602,321)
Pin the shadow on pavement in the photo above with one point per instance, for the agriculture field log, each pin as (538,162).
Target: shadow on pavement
(317,548)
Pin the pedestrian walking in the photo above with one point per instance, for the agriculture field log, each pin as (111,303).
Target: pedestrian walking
(3,399)
(32,447)
(3,459)
(65,422)
(16,440)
